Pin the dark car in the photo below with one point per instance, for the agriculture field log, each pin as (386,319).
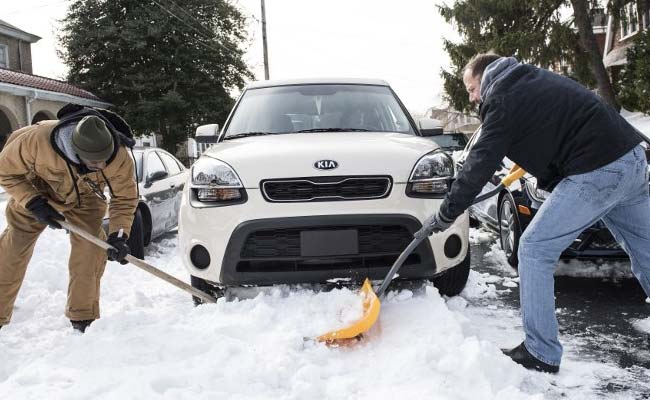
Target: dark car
(161,178)
(510,212)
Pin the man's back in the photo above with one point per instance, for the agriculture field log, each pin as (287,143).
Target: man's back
(558,127)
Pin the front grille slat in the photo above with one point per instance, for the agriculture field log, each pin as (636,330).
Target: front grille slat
(285,243)
(326,188)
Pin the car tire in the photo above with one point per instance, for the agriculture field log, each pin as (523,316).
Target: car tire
(203,285)
(136,236)
(453,281)
(509,229)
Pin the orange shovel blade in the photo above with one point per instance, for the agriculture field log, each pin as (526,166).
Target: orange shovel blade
(371,306)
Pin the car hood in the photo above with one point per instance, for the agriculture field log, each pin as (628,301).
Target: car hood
(294,155)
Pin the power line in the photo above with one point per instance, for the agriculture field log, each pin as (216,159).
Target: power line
(198,23)
(211,39)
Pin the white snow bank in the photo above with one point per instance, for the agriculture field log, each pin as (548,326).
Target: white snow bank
(639,120)
(643,325)
(151,343)
(480,235)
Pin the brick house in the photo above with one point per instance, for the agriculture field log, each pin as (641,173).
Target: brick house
(621,33)
(26,98)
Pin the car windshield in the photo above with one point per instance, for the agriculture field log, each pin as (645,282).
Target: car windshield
(455,141)
(318,108)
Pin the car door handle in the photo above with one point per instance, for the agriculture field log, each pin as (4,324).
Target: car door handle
(172,186)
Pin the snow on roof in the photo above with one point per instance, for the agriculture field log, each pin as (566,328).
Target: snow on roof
(317,81)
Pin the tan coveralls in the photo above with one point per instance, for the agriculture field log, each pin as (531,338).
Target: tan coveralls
(29,167)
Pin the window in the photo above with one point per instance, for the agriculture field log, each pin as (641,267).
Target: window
(646,16)
(154,164)
(172,167)
(4,56)
(318,107)
(629,20)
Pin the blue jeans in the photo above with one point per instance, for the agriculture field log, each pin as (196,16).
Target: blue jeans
(616,193)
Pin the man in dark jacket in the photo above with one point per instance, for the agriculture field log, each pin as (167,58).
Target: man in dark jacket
(576,146)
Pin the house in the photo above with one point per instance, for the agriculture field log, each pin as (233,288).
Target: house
(599,26)
(635,18)
(453,121)
(26,98)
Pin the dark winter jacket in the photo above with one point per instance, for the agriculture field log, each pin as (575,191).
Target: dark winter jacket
(550,125)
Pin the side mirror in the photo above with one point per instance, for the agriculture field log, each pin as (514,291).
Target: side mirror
(156,176)
(430,127)
(208,130)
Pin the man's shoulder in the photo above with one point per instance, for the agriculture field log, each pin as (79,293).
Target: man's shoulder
(39,131)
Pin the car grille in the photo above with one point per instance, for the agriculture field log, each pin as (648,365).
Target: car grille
(285,243)
(327,188)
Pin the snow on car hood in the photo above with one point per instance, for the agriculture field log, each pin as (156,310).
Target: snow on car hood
(293,155)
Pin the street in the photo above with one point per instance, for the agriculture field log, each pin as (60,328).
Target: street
(599,309)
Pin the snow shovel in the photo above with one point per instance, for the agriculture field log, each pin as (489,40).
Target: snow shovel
(371,303)
(141,264)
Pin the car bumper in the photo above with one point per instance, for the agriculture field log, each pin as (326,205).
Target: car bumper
(259,243)
(595,242)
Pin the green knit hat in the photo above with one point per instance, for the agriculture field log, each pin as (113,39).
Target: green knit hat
(92,140)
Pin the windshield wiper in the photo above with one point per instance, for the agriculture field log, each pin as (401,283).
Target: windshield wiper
(247,134)
(333,130)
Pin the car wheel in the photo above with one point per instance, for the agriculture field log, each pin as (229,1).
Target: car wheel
(509,229)
(136,236)
(203,285)
(453,281)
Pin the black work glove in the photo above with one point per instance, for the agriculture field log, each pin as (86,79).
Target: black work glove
(44,212)
(120,250)
(434,224)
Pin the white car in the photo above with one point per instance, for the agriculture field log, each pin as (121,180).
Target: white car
(318,180)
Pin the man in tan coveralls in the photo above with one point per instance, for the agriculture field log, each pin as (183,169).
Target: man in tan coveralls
(56,169)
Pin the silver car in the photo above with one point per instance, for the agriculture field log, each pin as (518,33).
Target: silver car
(161,178)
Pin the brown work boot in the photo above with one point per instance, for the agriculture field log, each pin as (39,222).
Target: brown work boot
(522,356)
(81,325)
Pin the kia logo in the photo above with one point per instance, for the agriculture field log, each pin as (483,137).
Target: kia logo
(326,164)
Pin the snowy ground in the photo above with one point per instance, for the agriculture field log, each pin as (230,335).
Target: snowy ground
(151,343)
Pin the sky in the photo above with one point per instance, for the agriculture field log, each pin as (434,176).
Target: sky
(397,41)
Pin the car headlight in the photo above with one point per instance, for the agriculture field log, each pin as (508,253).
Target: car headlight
(431,175)
(215,181)
(534,192)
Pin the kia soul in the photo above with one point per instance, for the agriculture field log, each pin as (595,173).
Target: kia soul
(314,181)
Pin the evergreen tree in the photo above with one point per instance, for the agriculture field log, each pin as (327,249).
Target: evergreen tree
(166,68)
(634,82)
(534,31)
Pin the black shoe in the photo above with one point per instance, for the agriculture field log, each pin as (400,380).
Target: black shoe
(522,356)
(81,325)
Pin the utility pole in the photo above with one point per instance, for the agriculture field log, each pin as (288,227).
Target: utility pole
(266,52)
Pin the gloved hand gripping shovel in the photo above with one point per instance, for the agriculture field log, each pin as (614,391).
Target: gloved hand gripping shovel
(141,264)
(371,302)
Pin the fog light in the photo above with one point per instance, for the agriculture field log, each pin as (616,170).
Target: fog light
(218,194)
(200,257)
(437,186)
(453,246)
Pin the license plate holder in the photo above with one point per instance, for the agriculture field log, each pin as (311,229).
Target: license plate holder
(329,243)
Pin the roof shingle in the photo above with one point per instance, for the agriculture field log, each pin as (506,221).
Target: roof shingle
(42,83)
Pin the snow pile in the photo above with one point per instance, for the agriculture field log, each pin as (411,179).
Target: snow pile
(643,325)
(480,235)
(152,343)
(638,120)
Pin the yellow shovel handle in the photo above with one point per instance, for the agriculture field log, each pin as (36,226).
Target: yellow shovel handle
(515,173)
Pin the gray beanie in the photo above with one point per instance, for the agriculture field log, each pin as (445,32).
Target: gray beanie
(92,140)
